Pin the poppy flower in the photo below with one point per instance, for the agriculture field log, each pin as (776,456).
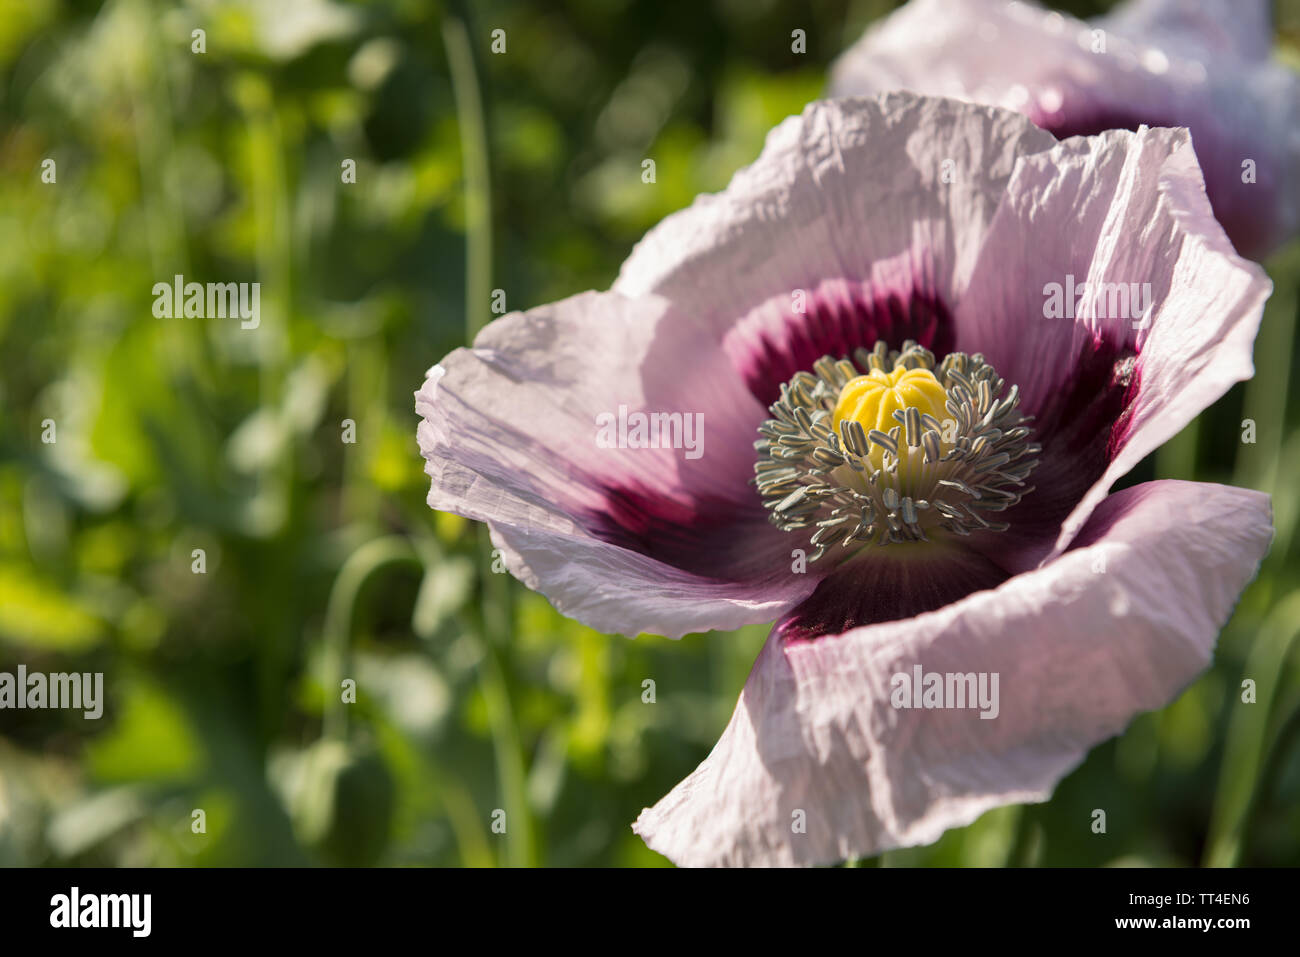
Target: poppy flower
(1202,64)
(902,439)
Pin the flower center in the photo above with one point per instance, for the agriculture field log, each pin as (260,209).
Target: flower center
(887,448)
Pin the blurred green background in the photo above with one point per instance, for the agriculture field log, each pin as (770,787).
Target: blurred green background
(322,560)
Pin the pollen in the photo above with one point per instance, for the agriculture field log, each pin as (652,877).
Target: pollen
(888,447)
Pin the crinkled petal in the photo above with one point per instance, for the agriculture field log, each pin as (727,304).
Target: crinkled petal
(516,432)
(1165,324)
(818,766)
(891,193)
(1161,63)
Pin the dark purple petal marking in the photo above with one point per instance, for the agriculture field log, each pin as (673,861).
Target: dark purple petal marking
(1088,413)
(774,342)
(1081,427)
(884,585)
(1089,119)
(695,534)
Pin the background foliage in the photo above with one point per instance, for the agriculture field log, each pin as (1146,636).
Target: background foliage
(322,559)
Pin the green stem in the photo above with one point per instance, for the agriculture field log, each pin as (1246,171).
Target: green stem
(1248,735)
(1283,742)
(1265,401)
(509,761)
(495,619)
(1024,848)
(471,839)
(474,154)
(495,612)
(358,567)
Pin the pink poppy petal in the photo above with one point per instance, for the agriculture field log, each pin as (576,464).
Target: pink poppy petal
(1115,626)
(624,539)
(868,206)
(1219,28)
(1159,64)
(1111,383)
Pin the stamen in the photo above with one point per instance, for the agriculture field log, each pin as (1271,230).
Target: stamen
(894,453)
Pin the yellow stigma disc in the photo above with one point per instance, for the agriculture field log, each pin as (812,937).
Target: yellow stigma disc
(871,400)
